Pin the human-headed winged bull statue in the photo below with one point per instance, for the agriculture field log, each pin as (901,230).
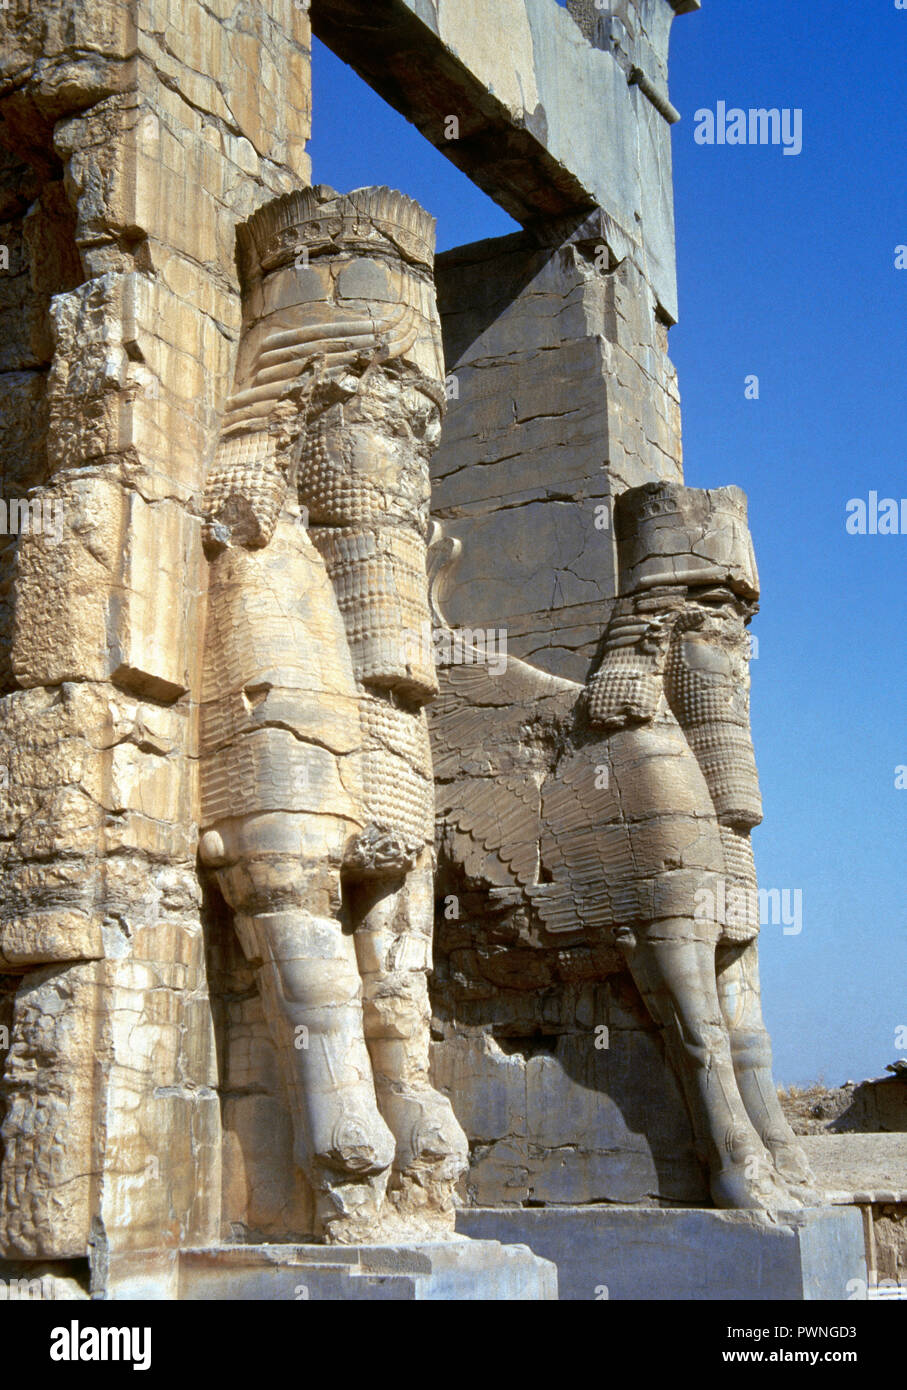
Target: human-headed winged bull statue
(621,812)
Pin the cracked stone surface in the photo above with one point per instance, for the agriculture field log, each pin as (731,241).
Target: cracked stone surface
(579,829)
(237,409)
(125,167)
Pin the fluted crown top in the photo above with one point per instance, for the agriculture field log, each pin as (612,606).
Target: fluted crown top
(671,534)
(321,221)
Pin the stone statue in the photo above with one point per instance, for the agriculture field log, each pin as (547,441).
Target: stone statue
(622,812)
(219,672)
(316,777)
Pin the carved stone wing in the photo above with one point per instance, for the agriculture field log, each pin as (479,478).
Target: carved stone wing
(494,737)
(585,847)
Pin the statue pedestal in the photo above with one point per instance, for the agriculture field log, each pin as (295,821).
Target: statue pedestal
(458,1270)
(687,1253)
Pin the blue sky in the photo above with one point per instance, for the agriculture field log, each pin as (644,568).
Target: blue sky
(786,268)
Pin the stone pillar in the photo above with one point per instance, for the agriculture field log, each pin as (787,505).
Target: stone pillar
(128,163)
(562,395)
(316,782)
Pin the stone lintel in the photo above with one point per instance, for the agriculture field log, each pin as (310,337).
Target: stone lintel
(521,133)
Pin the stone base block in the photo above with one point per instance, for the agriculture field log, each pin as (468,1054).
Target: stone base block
(459,1270)
(605,1252)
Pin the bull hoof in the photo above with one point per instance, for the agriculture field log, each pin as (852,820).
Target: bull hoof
(751,1187)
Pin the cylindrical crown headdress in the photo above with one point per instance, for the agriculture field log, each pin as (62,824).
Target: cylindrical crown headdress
(321,221)
(668,534)
(669,538)
(330,281)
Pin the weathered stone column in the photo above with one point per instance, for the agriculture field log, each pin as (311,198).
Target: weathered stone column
(317,794)
(128,162)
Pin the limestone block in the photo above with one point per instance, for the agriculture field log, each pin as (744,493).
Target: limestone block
(89,374)
(488,596)
(42,937)
(51,1158)
(86,772)
(580,1124)
(250,1062)
(267,50)
(99,148)
(198,88)
(579,1118)
(499,1174)
(265,1194)
(534,299)
(60,626)
(156,1114)
(642,1253)
(155,652)
(559,1177)
(166,203)
(456,1270)
(161,1184)
(486,1086)
(140,373)
(110,593)
(563,398)
(510,75)
(70,55)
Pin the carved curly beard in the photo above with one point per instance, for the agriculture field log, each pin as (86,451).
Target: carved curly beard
(707,687)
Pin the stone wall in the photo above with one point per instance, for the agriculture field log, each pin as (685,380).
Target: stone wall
(138,1083)
(552,1116)
(562,396)
(136,136)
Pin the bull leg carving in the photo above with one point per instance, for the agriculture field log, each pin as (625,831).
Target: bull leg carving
(675,973)
(393,946)
(751,1052)
(287,907)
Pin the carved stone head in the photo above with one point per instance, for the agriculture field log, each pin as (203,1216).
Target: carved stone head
(336,410)
(677,643)
(339,381)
